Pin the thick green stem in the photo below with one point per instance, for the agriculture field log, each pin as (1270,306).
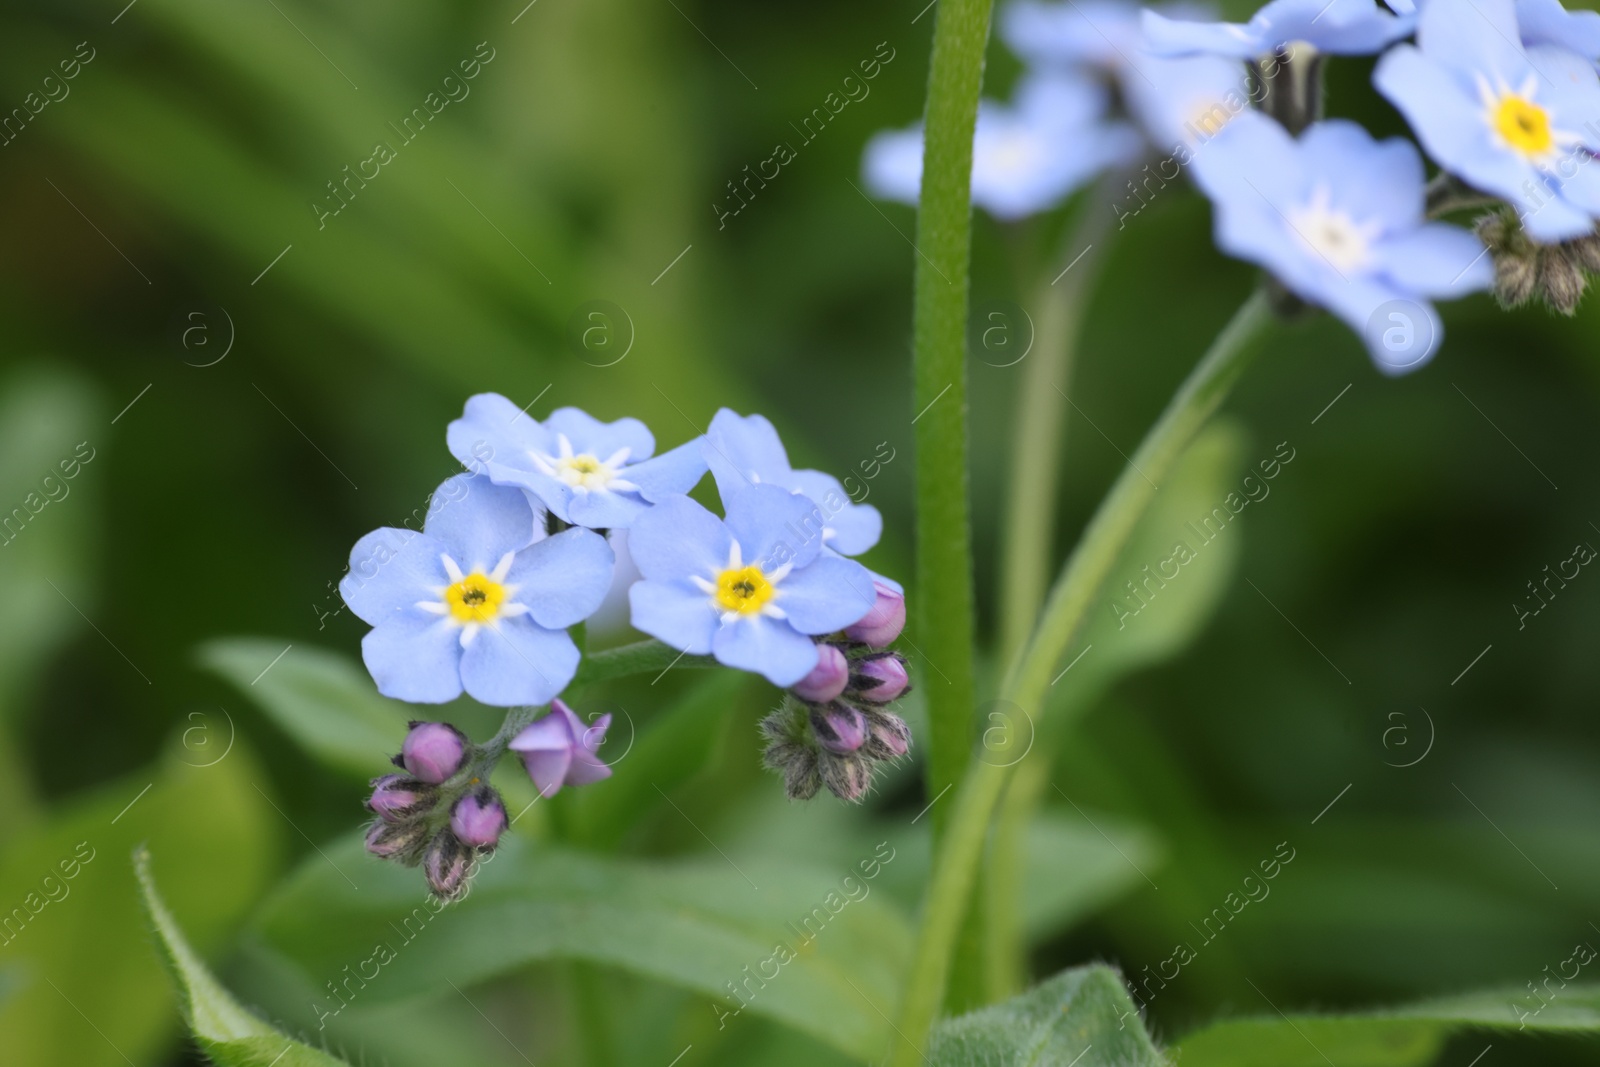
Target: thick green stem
(943,600)
(1029,678)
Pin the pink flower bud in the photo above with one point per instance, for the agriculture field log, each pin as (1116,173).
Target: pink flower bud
(827,679)
(888,736)
(883,621)
(433,751)
(879,679)
(446,865)
(397,798)
(400,842)
(479,818)
(840,728)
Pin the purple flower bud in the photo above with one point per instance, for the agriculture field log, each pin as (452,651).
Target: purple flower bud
(827,679)
(840,728)
(433,751)
(446,865)
(883,621)
(399,842)
(479,818)
(560,750)
(888,735)
(397,798)
(879,679)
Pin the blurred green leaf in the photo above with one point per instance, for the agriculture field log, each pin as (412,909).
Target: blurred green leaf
(223,1029)
(1083,1016)
(45,415)
(82,949)
(1399,1037)
(322,699)
(678,744)
(708,926)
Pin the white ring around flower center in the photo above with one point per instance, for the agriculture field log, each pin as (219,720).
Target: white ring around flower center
(713,588)
(500,605)
(585,471)
(1332,233)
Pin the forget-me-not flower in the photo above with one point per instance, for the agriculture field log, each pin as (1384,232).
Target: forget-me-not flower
(751,590)
(1027,157)
(1522,123)
(587,472)
(1341,27)
(479,600)
(1183,102)
(1338,218)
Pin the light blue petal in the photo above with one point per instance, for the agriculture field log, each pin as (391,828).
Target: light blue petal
(1554,220)
(675,612)
(415,657)
(1186,100)
(678,538)
(1372,180)
(1253,159)
(390,570)
(1472,35)
(1569,88)
(1547,22)
(1181,37)
(775,526)
(600,439)
(602,509)
(564,578)
(493,432)
(767,647)
(478,522)
(518,662)
(851,528)
(828,595)
(1416,325)
(1437,259)
(743,451)
(1104,33)
(891,166)
(676,471)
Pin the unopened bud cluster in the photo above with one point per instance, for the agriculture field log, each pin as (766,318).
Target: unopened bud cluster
(436,814)
(1524,269)
(834,726)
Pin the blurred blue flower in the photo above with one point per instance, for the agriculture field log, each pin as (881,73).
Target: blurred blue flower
(1547,22)
(1504,119)
(750,590)
(1027,157)
(1342,27)
(476,600)
(1182,103)
(1096,33)
(1338,218)
(587,472)
(1501,117)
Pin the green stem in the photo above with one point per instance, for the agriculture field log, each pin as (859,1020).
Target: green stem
(641,657)
(943,600)
(1029,678)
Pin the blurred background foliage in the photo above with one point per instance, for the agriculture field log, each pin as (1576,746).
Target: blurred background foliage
(588,157)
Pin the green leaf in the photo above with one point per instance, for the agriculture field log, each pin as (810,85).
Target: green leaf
(704,925)
(323,700)
(1083,1016)
(223,1029)
(677,744)
(1177,608)
(1400,1037)
(73,929)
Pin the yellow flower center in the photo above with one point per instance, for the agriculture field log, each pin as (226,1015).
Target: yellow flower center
(743,589)
(475,598)
(1524,125)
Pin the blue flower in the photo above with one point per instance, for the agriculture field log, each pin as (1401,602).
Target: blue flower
(745,450)
(1026,158)
(1520,123)
(477,600)
(750,590)
(587,472)
(1338,218)
(1097,33)
(1185,102)
(1342,27)
(1547,22)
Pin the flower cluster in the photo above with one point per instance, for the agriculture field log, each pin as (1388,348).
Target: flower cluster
(525,544)
(1502,94)
(439,813)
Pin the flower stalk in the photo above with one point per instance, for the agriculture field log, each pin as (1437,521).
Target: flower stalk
(1028,680)
(944,601)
